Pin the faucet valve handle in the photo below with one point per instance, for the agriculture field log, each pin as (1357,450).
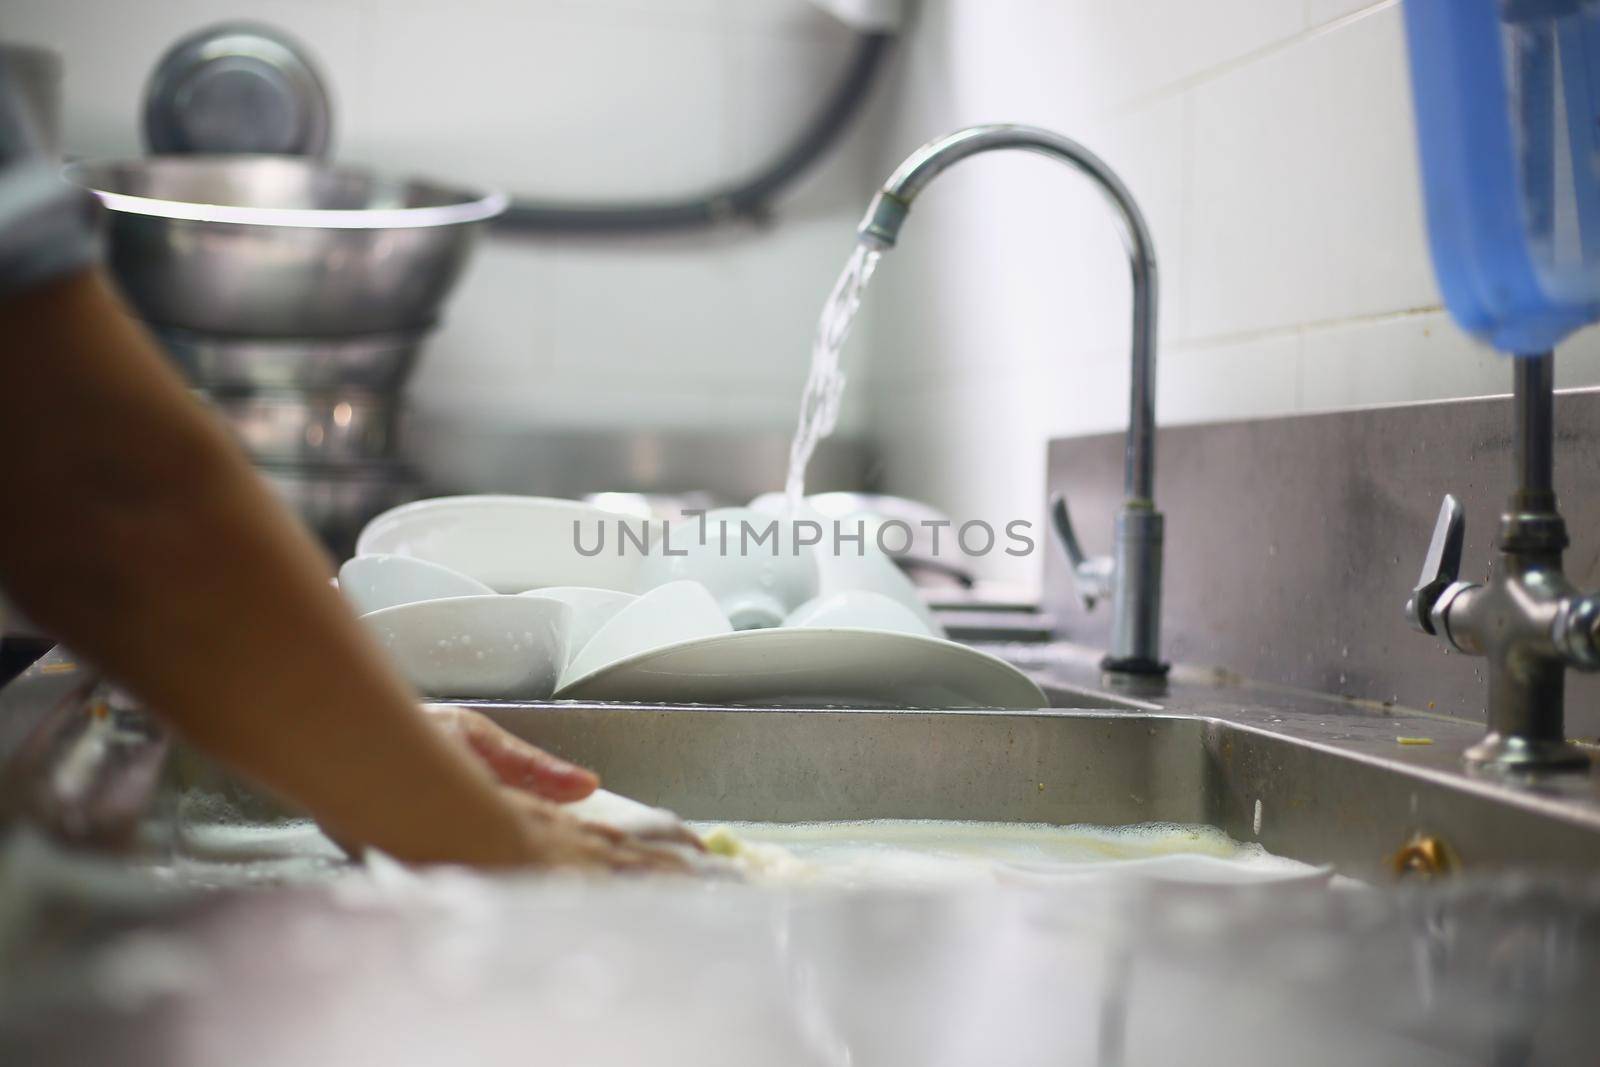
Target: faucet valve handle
(1442,567)
(1091,575)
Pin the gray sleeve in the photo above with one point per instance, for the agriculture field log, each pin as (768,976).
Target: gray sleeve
(45,222)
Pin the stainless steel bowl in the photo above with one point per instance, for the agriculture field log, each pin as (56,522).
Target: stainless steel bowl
(379,362)
(324,427)
(271,246)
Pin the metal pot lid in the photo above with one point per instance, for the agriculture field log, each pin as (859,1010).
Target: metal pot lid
(237,87)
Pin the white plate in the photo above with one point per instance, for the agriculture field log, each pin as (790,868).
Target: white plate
(670,614)
(509,543)
(813,668)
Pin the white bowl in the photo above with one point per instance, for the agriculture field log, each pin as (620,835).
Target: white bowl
(591,609)
(872,571)
(668,615)
(477,647)
(862,567)
(509,543)
(858,609)
(372,583)
(756,581)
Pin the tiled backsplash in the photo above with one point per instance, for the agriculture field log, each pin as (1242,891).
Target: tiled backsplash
(1271,145)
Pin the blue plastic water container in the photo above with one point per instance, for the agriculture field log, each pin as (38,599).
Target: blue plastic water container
(1507,96)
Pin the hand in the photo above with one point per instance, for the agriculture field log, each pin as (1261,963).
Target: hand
(537,783)
(519,766)
(559,840)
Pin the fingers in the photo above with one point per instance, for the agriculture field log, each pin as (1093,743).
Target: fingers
(680,836)
(516,763)
(601,830)
(563,841)
(579,847)
(675,835)
(523,766)
(643,859)
(536,782)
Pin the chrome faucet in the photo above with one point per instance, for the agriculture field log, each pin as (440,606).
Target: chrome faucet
(1528,620)
(1133,577)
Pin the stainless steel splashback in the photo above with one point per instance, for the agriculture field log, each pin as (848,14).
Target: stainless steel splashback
(1293,542)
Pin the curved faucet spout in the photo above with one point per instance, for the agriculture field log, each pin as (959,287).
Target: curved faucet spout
(1137,584)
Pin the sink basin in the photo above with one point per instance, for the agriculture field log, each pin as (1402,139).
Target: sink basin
(1460,972)
(1310,777)
(1082,698)
(1466,969)
(1318,780)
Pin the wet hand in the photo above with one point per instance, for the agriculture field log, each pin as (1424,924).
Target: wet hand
(537,784)
(518,765)
(561,841)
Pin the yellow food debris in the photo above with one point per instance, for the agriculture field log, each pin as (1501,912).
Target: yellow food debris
(722,842)
(1415,740)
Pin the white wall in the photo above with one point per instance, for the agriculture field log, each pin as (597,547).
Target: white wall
(1271,145)
(554,98)
(1270,142)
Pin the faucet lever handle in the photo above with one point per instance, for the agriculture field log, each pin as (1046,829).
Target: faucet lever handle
(1441,568)
(1091,575)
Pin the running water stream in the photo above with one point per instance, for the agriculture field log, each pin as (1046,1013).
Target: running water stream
(819,405)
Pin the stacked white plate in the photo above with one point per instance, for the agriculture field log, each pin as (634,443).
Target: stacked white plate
(525,598)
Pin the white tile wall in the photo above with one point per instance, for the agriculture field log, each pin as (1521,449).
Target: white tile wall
(1319,12)
(1147,48)
(1304,204)
(1411,357)
(659,333)
(1271,145)
(1262,376)
(589,99)
(571,103)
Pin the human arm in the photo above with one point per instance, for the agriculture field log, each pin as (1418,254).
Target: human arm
(139,534)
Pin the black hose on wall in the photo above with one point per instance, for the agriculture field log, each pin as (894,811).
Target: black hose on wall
(749,200)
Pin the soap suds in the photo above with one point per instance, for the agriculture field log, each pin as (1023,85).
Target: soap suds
(914,853)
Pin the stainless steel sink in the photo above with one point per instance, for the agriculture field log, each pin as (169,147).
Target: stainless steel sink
(1313,778)
(1470,971)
